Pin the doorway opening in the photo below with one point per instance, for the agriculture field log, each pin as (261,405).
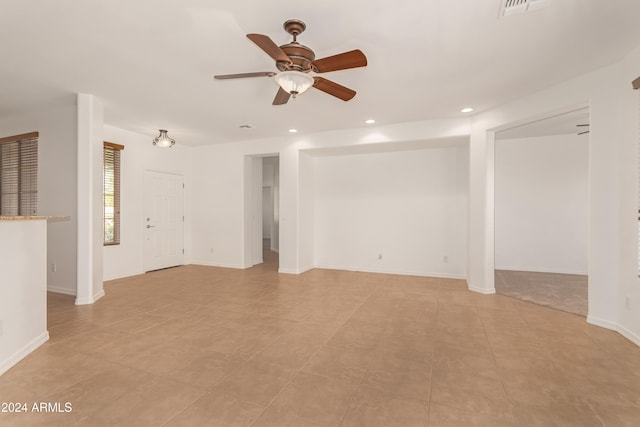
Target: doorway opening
(271,212)
(541,175)
(262,212)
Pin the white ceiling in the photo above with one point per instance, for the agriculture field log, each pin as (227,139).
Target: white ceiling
(152,62)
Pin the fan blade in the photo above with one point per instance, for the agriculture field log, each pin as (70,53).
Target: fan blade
(333,88)
(341,61)
(282,97)
(243,75)
(272,49)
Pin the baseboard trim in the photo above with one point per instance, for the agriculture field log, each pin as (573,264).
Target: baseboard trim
(220,265)
(16,357)
(99,295)
(305,269)
(629,335)
(483,291)
(399,273)
(90,300)
(58,290)
(607,324)
(543,270)
(287,271)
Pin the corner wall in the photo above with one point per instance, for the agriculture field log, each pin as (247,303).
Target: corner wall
(306,208)
(613,158)
(23,293)
(629,170)
(126,259)
(56,185)
(90,206)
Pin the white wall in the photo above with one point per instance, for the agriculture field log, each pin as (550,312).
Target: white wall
(217,211)
(56,184)
(23,290)
(126,259)
(307,212)
(408,206)
(612,165)
(219,174)
(629,113)
(541,204)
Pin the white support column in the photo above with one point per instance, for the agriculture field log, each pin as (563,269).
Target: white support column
(89,202)
(289,239)
(481,211)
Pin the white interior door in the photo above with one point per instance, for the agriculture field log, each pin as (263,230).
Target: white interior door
(163,220)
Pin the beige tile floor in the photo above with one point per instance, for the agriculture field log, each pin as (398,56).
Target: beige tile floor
(204,346)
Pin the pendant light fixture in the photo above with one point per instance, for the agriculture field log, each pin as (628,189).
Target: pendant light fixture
(163,140)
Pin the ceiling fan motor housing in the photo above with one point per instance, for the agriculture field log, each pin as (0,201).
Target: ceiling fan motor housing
(301,58)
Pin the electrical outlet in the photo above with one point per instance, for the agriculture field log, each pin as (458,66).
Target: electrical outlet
(627,302)
(210,250)
(445,259)
(54,268)
(379,256)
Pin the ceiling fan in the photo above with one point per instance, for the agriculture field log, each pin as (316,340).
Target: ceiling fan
(295,61)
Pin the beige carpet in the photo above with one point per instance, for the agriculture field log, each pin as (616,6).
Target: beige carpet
(566,292)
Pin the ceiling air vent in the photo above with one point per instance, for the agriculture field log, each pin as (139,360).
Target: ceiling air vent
(512,7)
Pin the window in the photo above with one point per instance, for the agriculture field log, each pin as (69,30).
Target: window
(19,174)
(111,192)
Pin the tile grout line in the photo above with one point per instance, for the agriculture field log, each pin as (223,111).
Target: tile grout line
(293,377)
(366,372)
(604,424)
(433,354)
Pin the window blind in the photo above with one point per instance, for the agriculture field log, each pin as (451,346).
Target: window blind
(111,192)
(19,174)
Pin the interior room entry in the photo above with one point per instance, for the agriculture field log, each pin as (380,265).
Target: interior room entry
(261,220)
(163,222)
(541,211)
(271,201)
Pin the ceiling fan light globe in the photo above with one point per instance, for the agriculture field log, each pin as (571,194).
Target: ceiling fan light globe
(294,82)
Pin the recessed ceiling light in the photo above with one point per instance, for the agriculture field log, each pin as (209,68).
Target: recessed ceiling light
(293,130)
(466,110)
(369,121)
